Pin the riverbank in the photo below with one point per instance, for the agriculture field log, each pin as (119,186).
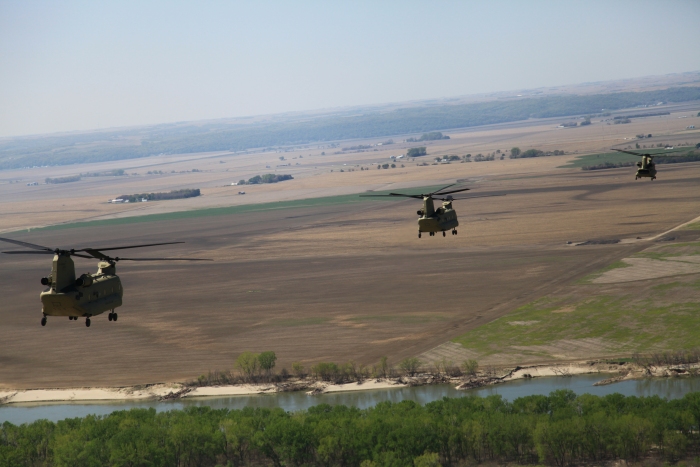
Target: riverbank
(618,371)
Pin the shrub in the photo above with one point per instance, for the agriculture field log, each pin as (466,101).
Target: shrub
(410,365)
(470,367)
(298,370)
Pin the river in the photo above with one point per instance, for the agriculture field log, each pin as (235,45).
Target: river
(670,388)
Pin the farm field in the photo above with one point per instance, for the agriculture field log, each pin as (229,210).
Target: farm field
(311,271)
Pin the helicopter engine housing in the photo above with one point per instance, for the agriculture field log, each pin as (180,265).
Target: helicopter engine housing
(85,280)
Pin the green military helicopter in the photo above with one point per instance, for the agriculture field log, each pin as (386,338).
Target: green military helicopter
(646,167)
(90,294)
(441,219)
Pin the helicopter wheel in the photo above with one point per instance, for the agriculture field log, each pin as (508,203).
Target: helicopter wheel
(455,231)
(114,317)
(418,234)
(43,321)
(87,322)
(109,317)
(444,234)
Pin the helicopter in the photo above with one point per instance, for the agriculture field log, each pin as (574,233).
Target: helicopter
(89,294)
(646,167)
(441,219)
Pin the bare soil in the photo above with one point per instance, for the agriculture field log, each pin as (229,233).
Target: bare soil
(330,283)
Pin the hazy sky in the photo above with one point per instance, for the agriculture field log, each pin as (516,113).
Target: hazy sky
(96,64)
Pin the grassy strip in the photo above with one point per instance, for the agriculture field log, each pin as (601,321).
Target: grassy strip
(602,158)
(628,324)
(616,157)
(230,210)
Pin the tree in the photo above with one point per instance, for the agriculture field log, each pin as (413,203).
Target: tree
(247,363)
(514,152)
(281,158)
(410,365)
(383,367)
(298,369)
(267,361)
(429,459)
(416,152)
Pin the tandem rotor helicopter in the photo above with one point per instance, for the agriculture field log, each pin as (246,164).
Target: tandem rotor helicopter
(646,167)
(441,219)
(90,294)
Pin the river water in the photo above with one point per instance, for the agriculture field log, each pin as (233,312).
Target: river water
(670,388)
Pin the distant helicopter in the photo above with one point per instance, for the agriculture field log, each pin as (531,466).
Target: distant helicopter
(646,167)
(441,219)
(90,294)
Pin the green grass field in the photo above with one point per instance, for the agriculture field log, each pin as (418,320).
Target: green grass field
(623,322)
(242,209)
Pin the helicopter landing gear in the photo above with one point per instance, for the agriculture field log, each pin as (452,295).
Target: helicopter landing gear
(87,322)
(444,234)
(454,232)
(418,234)
(43,321)
(432,234)
(112,316)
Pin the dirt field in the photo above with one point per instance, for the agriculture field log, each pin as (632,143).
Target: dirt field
(336,282)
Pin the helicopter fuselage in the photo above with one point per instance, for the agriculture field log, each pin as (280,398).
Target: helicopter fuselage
(441,219)
(88,295)
(646,168)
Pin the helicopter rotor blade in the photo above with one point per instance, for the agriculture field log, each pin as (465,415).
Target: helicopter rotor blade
(126,247)
(452,191)
(82,256)
(393,194)
(95,254)
(651,155)
(25,244)
(480,196)
(443,188)
(407,196)
(28,252)
(633,153)
(162,259)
